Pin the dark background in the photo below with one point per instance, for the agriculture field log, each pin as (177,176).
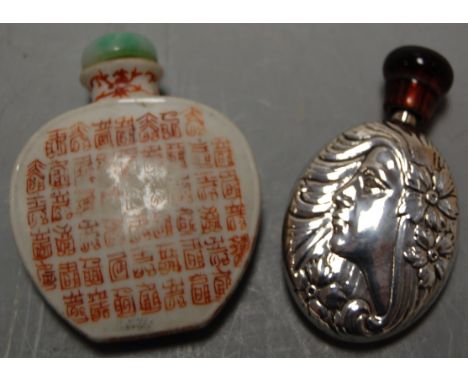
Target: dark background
(290,89)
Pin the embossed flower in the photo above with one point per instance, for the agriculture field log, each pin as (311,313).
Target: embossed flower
(429,196)
(431,254)
(322,294)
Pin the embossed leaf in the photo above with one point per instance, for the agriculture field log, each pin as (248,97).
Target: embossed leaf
(332,296)
(313,273)
(424,237)
(416,256)
(414,205)
(426,276)
(319,272)
(441,267)
(435,219)
(419,178)
(448,206)
(445,244)
(316,307)
(443,183)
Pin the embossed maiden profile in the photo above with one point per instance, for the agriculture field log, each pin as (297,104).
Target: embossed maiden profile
(370,231)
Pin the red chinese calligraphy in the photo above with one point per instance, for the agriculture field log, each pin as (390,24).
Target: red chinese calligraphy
(176,154)
(143,263)
(200,289)
(230,185)
(235,217)
(58,175)
(103,134)
(56,143)
(118,270)
(37,210)
(152,152)
(60,206)
(156,197)
(75,308)
(239,247)
(69,275)
(89,235)
(124,131)
(46,276)
(148,128)
(201,156)
(152,159)
(174,294)
(193,254)
(185,223)
(98,305)
(102,162)
(83,170)
(92,273)
(41,245)
(124,304)
(168,259)
(149,299)
(210,222)
(223,156)
(218,253)
(79,140)
(138,228)
(207,186)
(183,191)
(64,241)
(35,177)
(169,125)
(84,201)
(194,122)
(221,284)
(123,81)
(120,84)
(162,225)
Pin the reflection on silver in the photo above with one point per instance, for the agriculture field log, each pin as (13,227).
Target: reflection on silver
(370,231)
(405,117)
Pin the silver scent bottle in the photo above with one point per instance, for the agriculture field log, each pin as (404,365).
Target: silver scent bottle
(370,230)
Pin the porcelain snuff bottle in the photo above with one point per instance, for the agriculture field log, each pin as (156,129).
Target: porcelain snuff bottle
(135,215)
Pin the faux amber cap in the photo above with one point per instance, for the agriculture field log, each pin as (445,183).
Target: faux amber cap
(416,79)
(116,45)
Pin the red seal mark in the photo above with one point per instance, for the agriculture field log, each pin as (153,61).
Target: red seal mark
(193,254)
(200,290)
(210,221)
(149,299)
(174,294)
(75,308)
(35,177)
(124,304)
(118,269)
(148,128)
(98,305)
(69,275)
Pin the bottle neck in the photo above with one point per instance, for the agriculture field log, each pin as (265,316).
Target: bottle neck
(404,117)
(122,78)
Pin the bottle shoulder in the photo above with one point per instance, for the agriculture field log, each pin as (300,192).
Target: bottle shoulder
(156,102)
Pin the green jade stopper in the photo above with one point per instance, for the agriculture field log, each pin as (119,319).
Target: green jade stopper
(116,45)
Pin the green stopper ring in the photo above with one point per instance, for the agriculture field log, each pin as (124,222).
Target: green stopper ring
(118,45)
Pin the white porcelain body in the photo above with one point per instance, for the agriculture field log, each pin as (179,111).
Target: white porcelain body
(136,217)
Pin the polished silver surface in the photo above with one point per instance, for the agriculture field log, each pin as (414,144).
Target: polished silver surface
(370,231)
(405,117)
